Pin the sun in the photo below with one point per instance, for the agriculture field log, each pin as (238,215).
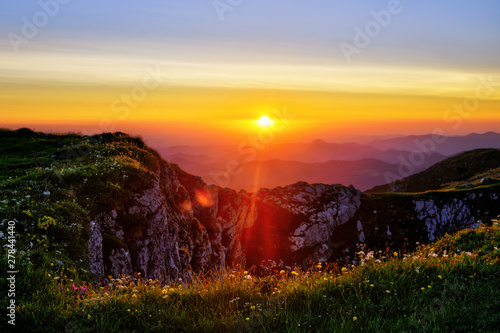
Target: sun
(265,121)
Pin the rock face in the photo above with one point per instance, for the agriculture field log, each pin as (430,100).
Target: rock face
(178,224)
(160,234)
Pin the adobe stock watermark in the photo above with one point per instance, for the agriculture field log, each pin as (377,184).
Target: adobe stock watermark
(363,37)
(454,115)
(250,148)
(11,271)
(126,102)
(31,26)
(222,7)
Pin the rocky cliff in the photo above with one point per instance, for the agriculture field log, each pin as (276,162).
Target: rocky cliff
(180,224)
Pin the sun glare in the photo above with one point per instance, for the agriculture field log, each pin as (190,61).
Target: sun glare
(265,121)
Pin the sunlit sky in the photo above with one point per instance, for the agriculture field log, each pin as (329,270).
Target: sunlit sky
(205,74)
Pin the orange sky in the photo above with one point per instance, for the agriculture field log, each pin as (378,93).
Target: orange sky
(215,114)
(176,73)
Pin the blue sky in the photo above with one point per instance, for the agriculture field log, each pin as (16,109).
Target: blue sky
(451,33)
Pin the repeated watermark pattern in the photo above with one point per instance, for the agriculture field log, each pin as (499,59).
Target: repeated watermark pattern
(31,26)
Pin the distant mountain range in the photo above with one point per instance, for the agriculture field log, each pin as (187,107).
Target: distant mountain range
(445,145)
(362,165)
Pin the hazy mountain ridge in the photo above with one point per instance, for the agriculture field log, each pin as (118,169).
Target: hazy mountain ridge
(445,145)
(318,161)
(301,161)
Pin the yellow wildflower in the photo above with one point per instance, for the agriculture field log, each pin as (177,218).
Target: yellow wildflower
(354,318)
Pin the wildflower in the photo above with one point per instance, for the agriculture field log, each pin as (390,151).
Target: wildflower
(422,288)
(248,277)
(468,253)
(252,307)
(344,269)
(247,319)
(88,316)
(282,271)
(134,295)
(128,310)
(429,286)
(388,291)
(295,273)
(48,275)
(56,278)
(51,264)
(372,285)
(395,254)
(439,276)
(245,272)
(354,318)
(319,265)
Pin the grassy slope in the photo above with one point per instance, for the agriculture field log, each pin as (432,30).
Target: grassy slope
(451,285)
(42,186)
(457,170)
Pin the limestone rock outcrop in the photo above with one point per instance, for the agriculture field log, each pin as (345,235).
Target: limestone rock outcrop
(178,224)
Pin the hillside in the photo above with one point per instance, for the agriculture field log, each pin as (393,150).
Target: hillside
(124,209)
(94,209)
(463,170)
